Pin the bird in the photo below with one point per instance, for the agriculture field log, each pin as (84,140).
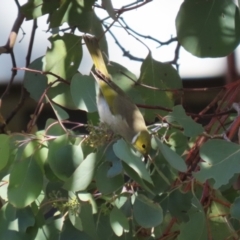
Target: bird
(115,108)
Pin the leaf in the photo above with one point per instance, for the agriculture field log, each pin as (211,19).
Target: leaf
(105,184)
(177,203)
(4,150)
(35,83)
(235,209)
(25,218)
(69,232)
(54,129)
(147,213)
(4,187)
(116,164)
(173,158)
(64,56)
(126,154)
(107,4)
(196,227)
(50,229)
(159,75)
(60,112)
(191,128)
(221,162)
(25,183)
(70,11)
(67,159)
(83,92)
(61,95)
(36,8)
(124,79)
(83,175)
(88,224)
(134,176)
(208,28)
(58,154)
(88,197)
(90,23)
(118,221)
(9,225)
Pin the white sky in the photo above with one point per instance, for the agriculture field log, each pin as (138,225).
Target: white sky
(156,19)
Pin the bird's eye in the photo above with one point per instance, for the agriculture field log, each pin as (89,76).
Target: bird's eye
(143,146)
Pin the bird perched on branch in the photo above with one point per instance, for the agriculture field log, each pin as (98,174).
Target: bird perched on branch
(115,108)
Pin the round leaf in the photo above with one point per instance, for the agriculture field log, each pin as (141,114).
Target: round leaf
(147,213)
(105,184)
(83,92)
(35,83)
(65,160)
(208,29)
(118,221)
(83,175)
(25,183)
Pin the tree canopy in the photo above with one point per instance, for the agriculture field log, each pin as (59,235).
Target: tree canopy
(60,182)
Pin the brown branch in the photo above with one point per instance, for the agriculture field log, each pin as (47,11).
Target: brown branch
(24,93)
(7,48)
(122,10)
(43,73)
(30,46)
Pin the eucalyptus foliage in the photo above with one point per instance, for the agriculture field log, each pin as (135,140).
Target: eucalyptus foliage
(59,183)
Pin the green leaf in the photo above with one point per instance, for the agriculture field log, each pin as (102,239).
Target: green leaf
(126,154)
(83,175)
(61,95)
(196,227)
(107,4)
(25,183)
(178,141)
(147,213)
(60,113)
(83,92)
(70,11)
(69,232)
(59,163)
(177,203)
(235,208)
(173,158)
(50,230)
(191,128)
(208,29)
(88,224)
(9,224)
(105,184)
(221,161)
(4,187)
(220,230)
(134,176)
(88,22)
(4,150)
(35,83)
(124,79)
(25,218)
(159,75)
(36,8)
(118,221)
(66,160)
(64,56)
(54,128)
(88,197)
(116,164)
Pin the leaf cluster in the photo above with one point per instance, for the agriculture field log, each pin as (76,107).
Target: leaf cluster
(61,183)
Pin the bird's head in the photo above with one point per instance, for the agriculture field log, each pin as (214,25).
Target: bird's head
(142,142)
